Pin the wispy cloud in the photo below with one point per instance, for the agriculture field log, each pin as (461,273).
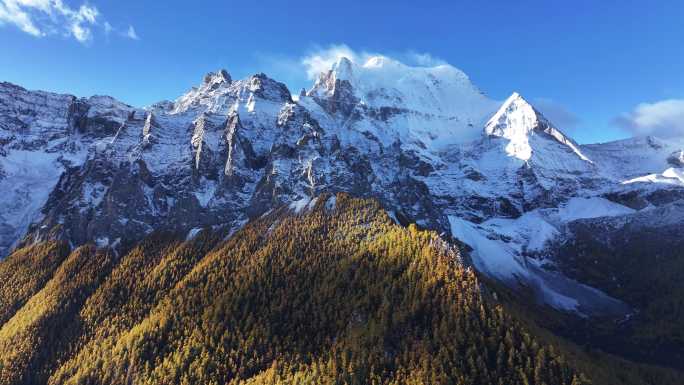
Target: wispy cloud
(664,119)
(11,12)
(107,28)
(298,71)
(422,59)
(41,18)
(321,59)
(130,33)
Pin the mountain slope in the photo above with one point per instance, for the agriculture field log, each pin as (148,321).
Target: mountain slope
(25,271)
(498,178)
(39,334)
(636,258)
(338,285)
(331,292)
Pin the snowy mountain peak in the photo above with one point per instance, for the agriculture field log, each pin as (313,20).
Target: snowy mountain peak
(382,80)
(380,61)
(342,69)
(266,88)
(210,93)
(440,104)
(218,93)
(383,62)
(517,120)
(676,158)
(218,77)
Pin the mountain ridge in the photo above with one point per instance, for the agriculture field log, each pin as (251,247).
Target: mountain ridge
(229,150)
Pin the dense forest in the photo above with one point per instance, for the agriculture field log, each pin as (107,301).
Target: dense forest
(644,268)
(336,294)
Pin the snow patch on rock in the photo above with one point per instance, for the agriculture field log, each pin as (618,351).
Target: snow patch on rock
(298,206)
(193,233)
(590,207)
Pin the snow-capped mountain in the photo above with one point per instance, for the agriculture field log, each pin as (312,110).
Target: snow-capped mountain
(519,123)
(436,151)
(435,107)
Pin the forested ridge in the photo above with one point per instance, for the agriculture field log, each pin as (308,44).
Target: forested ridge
(337,294)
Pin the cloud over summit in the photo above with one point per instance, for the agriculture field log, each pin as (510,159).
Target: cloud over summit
(321,59)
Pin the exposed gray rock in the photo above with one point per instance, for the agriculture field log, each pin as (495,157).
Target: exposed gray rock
(676,159)
(95,169)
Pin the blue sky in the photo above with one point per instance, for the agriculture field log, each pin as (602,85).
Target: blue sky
(602,69)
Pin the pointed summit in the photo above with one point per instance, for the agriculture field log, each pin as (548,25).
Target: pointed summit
(328,83)
(214,85)
(220,76)
(517,120)
(342,68)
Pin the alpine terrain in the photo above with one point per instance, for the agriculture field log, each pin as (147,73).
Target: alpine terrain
(391,224)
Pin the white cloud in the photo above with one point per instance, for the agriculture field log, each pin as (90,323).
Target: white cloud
(53,17)
(80,33)
(130,33)
(423,59)
(663,119)
(557,113)
(299,71)
(87,13)
(11,12)
(321,59)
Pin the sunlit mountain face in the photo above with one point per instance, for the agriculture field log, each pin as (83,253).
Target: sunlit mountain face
(390,224)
